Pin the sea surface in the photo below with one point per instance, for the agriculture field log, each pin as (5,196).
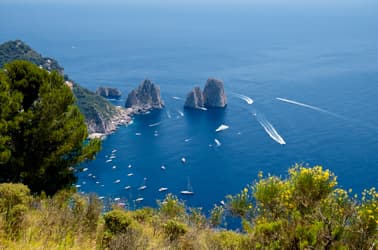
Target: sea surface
(312,74)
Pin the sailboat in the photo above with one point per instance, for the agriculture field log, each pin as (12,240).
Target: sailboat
(189,190)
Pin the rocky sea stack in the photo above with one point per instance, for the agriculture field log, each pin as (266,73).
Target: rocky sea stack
(111,93)
(194,99)
(145,97)
(213,96)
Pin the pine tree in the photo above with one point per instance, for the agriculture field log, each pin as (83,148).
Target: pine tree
(42,132)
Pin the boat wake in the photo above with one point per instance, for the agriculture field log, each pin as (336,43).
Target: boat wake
(169,114)
(154,124)
(270,130)
(247,99)
(176,98)
(310,107)
(180,113)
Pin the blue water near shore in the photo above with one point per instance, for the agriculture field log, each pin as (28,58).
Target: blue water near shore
(327,59)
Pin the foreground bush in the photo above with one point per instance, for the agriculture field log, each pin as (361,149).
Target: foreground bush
(306,210)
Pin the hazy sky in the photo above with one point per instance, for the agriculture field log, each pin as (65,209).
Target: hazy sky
(177,2)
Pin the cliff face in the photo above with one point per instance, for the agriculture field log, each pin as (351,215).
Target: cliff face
(100,115)
(145,97)
(214,94)
(194,99)
(112,93)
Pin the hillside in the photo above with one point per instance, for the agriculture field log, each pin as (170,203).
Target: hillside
(307,210)
(100,115)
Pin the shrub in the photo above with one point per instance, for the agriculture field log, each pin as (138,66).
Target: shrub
(174,229)
(117,221)
(171,207)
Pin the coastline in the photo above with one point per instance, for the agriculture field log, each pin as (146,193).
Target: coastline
(110,125)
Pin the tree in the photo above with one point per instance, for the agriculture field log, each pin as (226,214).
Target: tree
(42,133)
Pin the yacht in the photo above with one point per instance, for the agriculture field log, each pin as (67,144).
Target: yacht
(163,189)
(189,190)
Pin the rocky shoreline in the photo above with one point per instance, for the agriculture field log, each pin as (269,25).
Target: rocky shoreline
(123,117)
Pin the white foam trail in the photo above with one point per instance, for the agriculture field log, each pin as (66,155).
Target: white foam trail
(270,130)
(221,127)
(217,142)
(176,97)
(310,107)
(247,99)
(154,124)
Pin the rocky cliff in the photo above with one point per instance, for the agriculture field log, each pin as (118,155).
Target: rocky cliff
(194,99)
(107,92)
(100,115)
(213,96)
(145,97)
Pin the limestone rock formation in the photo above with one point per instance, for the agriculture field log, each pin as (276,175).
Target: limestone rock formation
(112,93)
(145,97)
(214,95)
(194,99)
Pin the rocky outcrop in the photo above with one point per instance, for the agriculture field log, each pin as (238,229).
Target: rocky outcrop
(144,98)
(194,99)
(111,93)
(214,95)
(100,115)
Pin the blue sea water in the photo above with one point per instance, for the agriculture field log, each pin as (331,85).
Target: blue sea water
(327,58)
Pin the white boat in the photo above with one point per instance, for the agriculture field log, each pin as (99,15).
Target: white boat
(128,187)
(114,150)
(114,167)
(90,174)
(78,186)
(163,189)
(117,181)
(221,128)
(143,187)
(217,142)
(139,199)
(101,197)
(163,167)
(189,190)
(110,160)
(112,157)
(129,166)
(97,182)
(117,199)
(130,174)
(85,169)
(183,160)
(137,134)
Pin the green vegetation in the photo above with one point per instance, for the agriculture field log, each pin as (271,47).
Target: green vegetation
(96,109)
(306,210)
(18,50)
(41,129)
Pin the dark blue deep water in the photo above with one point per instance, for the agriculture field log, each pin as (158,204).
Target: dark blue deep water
(323,57)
